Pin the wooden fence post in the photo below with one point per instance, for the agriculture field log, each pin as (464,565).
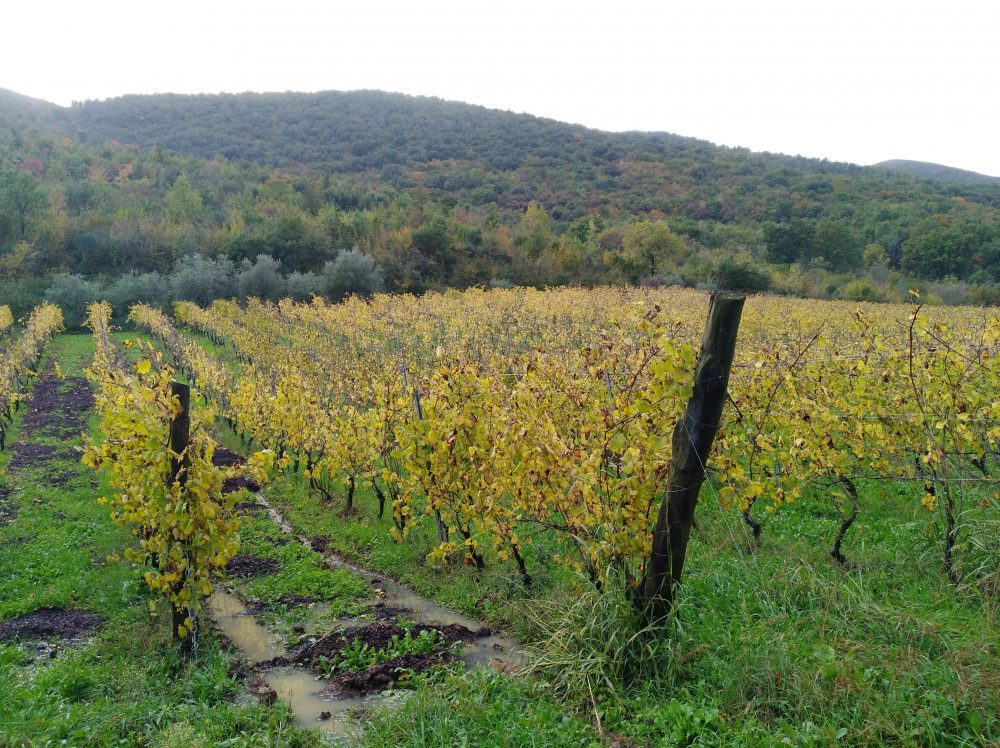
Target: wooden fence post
(692,444)
(180,435)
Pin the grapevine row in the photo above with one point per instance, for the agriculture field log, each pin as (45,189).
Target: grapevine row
(520,427)
(21,355)
(173,502)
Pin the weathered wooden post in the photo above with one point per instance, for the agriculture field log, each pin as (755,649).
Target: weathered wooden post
(692,444)
(180,435)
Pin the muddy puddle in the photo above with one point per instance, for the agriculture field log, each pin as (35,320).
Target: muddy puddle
(316,701)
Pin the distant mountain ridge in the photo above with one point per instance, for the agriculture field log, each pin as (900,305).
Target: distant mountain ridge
(938,172)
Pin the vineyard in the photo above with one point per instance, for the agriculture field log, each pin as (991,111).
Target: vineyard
(507,415)
(515,453)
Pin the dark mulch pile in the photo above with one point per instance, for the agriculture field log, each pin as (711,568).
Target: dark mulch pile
(226,458)
(238,483)
(319,544)
(384,675)
(243,565)
(47,622)
(223,457)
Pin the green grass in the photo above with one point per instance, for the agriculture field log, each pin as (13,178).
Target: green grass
(301,572)
(480,709)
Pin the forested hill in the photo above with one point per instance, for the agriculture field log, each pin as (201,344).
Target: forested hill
(485,154)
(361,130)
(442,193)
(18,112)
(927,170)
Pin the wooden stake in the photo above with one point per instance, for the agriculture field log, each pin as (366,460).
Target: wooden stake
(692,444)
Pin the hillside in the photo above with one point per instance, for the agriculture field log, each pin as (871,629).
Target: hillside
(21,112)
(448,194)
(939,172)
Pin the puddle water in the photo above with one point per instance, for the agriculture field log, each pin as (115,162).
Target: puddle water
(300,689)
(255,642)
(487,651)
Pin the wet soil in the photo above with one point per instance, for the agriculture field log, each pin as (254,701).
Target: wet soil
(238,483)
(260,607)
(49,622)
(261,690)
(292,672)
(25,455)
(294,601)
(319,544)
(246,566)
(385,612)
(58,407)
(377,635)
(384,675)
(223,457)
(245,507)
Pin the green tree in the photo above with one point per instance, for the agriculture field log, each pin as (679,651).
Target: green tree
(835,242)
(534,231)
(353,272)
(22,197)
(647,244)
(938,249)
(790,241)
(184,203)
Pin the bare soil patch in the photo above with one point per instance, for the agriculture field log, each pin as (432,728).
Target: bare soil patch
(48,622)
(247,506)
(223,457)
(58,407)
(8,512)
(246,566)
(26,454)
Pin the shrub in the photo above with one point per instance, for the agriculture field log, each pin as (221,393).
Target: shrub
(353,272)
(303,286)
(734,274)
(147,288)
(261,279)
(201,279)
(72,293)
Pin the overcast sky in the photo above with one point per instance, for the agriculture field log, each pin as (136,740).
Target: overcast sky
(847,80)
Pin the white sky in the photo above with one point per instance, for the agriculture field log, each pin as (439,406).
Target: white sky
(848,80)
